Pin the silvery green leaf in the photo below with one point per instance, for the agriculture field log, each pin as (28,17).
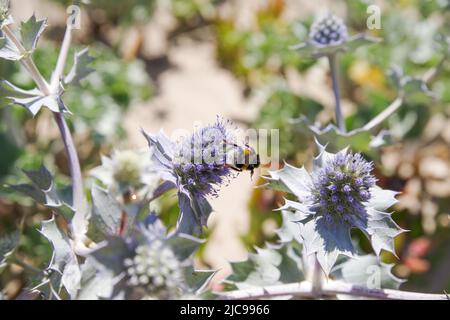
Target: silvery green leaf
(266,267)
(184,245)
(381,230)
(110,254)
(382,199)
(327,241)
(80,69)
(164,148)
(42,178)
(31,191)
(49,286)
(336,140)
(106,212)
(71,278)
(194,213)
(197,280)
(409,86)
(290,228)
(62,249)
(367,271)
(8,50)
(44,191)
(94,284)
(416,85)
(263,269)
(291,266)
(306,49)
(299,210)
(400,126)
(296,180)
(383,138)
(323,155)
(30,32)
(310,49)
(360,40)
(8,243)
(274,184)
(64,259)
(52,198)
(330,135)
(33,100)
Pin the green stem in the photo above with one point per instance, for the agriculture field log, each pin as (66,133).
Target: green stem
(333,69)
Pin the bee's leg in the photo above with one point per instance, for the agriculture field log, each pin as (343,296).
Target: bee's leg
(233,167)
(231,143)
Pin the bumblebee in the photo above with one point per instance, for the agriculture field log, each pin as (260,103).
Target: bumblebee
(243,158)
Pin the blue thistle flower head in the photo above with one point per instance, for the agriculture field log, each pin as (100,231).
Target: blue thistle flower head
(149,264)
(329,35)
(200,159)
(341,187)
(328,31)
(196,166)
(339,194)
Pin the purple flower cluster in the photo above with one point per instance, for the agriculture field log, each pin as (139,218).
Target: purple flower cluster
(342,186)
(329,30)
(200,160)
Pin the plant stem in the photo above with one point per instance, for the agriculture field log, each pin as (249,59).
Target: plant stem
(397,103)
(62,58)
(386,113)
(314,274)
(330,289)
(317,277)
(337,97)
(79,202)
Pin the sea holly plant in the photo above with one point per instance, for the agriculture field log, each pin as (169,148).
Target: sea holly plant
(315,256)
(128,171)
(328,37)
(148,264)
(49,94)
(339,194)
(109,244)
(196,166)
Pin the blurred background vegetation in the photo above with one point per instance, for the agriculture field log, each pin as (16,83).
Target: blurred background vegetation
(136,43)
